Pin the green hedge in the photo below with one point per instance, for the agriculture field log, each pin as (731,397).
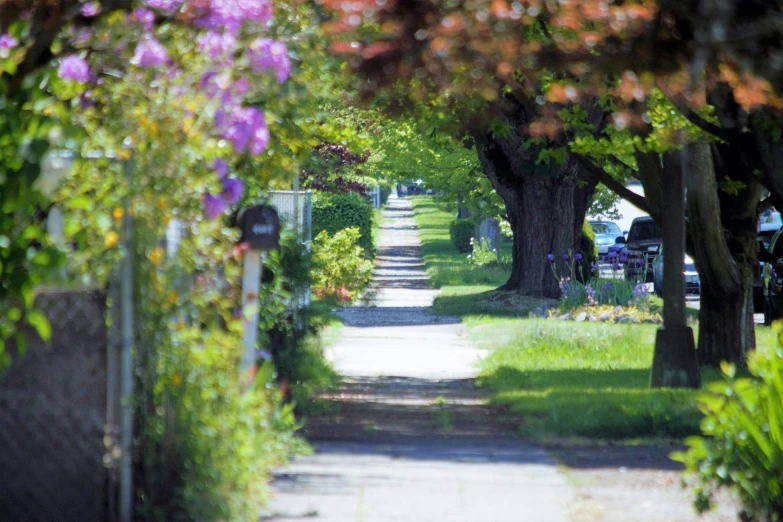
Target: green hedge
(385,193)
(336,212)
(588,248)
(461,232)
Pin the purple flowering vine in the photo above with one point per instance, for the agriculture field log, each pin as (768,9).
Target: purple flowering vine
(213,205)
(7,42)
(232,190)
(266,54)
(90,9)
(74,68)
(221,167)
(145,17)
(217,45)
(150,53)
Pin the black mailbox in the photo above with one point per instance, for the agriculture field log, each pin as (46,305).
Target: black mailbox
(260,226)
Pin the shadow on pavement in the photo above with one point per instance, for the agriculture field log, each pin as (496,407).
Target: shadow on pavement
(371,317)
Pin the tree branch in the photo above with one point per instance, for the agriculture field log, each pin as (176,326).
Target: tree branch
(704,125)
(612,184)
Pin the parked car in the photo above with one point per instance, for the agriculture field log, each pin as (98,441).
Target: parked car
(772,278)
(606,234)
(642,244)
(692,280)
(767,228)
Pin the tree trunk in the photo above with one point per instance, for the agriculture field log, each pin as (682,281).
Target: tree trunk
(723,228)
(546,206)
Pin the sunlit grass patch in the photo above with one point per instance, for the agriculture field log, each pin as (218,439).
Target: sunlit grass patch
(584,380)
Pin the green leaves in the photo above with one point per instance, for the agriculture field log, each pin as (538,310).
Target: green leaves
(742,445)
(38,321)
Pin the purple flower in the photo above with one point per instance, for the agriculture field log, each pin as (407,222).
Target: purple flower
(260,140)
(217,45)
(229,14)
(149,53)
(90,9)
(221,167)
(245,127)
(241,87)
(232,190)
(145,17)
(266,54)
(565,257)
(617,266)
(213,206)
(639,261)
(74,68)
(8,42)
(578,257)
(164,5)
(593,267)
(551,258)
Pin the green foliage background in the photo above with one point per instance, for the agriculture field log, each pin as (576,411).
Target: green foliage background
(460,233)
(335,212)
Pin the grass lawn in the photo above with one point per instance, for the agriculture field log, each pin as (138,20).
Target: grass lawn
(563,379)
(377,221)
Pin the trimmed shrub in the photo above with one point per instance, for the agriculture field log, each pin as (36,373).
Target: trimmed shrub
(385,193)
(461,232)
(587,245)
(340,268)
(742,443)
(335,212)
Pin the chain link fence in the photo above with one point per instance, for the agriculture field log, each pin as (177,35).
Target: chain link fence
(53,416)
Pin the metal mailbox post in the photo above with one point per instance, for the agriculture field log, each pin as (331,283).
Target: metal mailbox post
(260,226)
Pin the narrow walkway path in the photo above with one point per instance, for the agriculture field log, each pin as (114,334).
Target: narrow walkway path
(407,437)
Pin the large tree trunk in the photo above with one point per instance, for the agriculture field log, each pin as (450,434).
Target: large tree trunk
(546,207)
(723,229)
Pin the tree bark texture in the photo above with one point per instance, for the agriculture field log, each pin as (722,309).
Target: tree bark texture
(546,207)
(722,224)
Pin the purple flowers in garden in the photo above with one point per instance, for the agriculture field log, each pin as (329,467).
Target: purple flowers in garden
(74,68)
(245,128)
(232,190)
(145,17)
(578,257)
(164,5)
(213,206)
(229,14)
(551,258)
(7,42)
(221,167)
(269,54)
(90,9)
(217,45)
(149,53)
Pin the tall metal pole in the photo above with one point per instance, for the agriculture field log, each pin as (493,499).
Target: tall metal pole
(126,359)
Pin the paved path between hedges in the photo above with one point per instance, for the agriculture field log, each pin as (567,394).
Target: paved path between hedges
(407,437)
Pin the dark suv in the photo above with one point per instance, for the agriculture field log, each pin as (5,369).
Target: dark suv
(643,244)
(772,278)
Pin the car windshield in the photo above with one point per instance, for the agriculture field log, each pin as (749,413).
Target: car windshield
(609,229)
(643,230)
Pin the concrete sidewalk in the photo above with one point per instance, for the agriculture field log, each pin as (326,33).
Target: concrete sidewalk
(408,437)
